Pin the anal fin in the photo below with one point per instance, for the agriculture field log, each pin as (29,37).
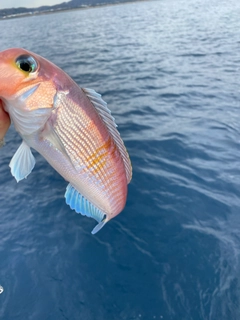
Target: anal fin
(81,205)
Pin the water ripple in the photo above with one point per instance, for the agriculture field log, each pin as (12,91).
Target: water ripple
(169,72)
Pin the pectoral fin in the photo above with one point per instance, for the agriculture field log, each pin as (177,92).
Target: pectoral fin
(22,162)
(81,205)
(51,135)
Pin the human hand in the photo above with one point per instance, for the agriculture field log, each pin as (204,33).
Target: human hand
(4,123)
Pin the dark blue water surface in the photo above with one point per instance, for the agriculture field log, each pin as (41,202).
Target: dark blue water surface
(169,71)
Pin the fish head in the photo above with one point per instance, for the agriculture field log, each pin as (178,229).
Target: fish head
(17,69)
(27,88)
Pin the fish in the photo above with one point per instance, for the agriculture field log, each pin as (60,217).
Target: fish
(71,127)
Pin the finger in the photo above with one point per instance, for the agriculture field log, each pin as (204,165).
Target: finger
(4,121)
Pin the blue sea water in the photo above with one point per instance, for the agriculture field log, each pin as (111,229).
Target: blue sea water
(169,71)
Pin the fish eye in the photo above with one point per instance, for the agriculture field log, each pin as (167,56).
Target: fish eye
(26,63)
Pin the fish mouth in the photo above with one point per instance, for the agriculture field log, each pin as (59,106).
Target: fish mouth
(4,120)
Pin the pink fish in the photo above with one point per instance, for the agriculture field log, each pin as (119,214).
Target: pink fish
(71,127)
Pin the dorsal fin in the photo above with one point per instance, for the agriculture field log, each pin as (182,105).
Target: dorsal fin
(105,114)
